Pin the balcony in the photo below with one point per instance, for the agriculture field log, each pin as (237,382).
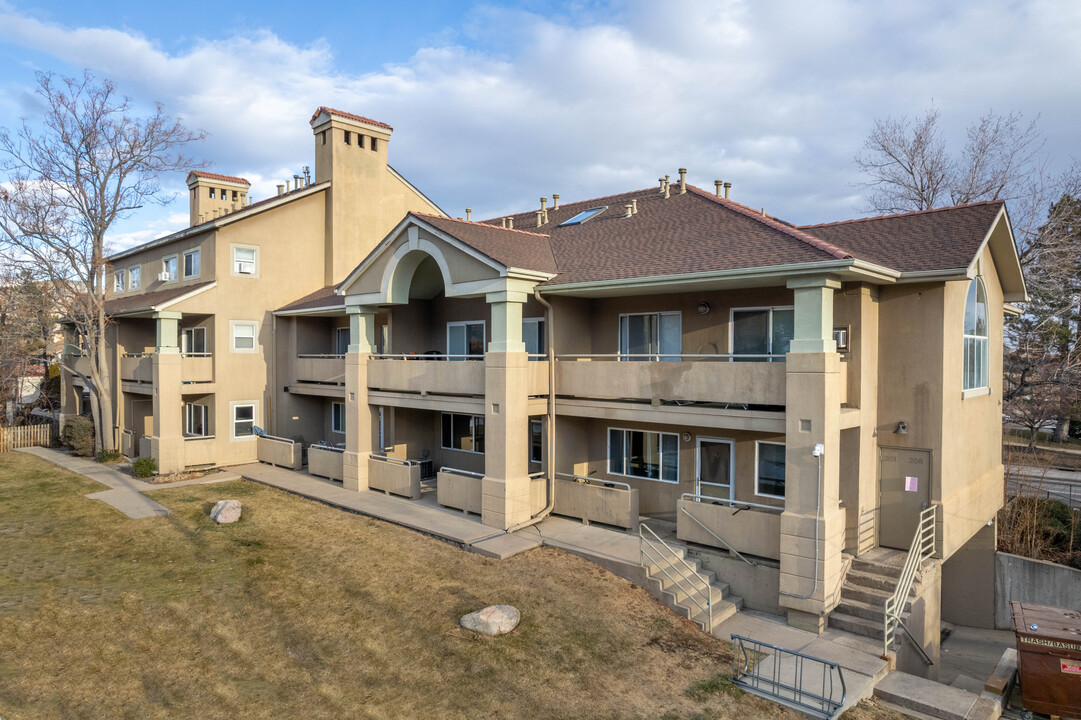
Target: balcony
(197,367)
(710,378)
(137,367)
(194,367)
(321,369)
(428,375)
(82,364)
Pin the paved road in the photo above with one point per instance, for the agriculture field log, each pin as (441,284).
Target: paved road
(1056,485)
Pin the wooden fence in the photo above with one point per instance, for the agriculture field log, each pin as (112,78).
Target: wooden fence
(22,436)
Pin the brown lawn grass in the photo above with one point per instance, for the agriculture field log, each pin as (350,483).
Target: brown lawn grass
(300,610)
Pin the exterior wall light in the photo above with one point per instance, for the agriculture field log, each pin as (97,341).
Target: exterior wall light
(703,308)
(902,428)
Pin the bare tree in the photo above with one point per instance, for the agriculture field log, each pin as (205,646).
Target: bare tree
(908,165)
(89,163)
(27,324)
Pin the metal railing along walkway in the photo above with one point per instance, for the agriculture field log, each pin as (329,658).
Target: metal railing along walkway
(805,683)
(923,547)
(678,571)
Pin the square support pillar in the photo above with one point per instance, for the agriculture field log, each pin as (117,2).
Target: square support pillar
(506,321)
(167,443)
(505,490)
(813,314)
(358,414)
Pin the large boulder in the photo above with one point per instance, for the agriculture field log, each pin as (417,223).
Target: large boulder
(225,511)
(492,620)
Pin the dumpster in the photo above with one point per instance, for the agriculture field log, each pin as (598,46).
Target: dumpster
(1048,658)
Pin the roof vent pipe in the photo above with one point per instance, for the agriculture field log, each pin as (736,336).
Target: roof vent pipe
(510,223)
(628,210)
(287,187)
(296,181)
(717,184)
(667,190)
(661,181)
(307,175)
(281,189)
(683,181)
(469,214)
(634,205)
(544,204)
(504,222)
(540,218)
(727,189)
(555,201)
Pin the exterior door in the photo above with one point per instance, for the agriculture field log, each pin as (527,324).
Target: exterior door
(713,477)
(142,422)
(904,482)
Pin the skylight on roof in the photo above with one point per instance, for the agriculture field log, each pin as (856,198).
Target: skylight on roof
(584,215)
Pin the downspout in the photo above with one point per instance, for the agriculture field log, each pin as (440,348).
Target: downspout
(819,449)
(551,479)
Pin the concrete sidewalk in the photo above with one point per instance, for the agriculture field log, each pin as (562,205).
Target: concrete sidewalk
(125,493)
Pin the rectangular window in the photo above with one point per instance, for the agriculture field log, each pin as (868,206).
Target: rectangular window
(465,340)
(341,340)
(195,424)
(536,441)
(244,261)
(642,454)
(769,469)
(463,432)
(168,268)
(337,417)
(650,336)
(244,336)
(763,332)
(360,141)
(348,138)
(119,284)
(234,196)
(193,341)
(533,336)
(211,193)
(191,264)
(135,277)
(243,420)
(375,143)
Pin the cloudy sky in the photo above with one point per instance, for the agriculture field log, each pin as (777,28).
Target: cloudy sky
(497,104)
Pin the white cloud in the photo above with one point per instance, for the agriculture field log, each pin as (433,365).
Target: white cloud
(775,97)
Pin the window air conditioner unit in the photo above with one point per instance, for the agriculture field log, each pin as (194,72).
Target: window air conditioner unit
(163,276)
(245,268)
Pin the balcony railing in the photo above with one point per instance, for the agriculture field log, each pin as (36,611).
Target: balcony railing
(684,378)
(739,527)
(137,367)
(424,374)
(197,367)
(324,369)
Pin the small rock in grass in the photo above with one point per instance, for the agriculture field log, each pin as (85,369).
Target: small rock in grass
(492,620)
(225,511)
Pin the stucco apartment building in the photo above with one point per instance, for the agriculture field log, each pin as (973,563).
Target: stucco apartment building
(793,395)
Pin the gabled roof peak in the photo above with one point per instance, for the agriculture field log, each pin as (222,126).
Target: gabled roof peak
(348,116)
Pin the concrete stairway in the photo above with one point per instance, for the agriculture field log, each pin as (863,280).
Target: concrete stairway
(871,579)
(665,580)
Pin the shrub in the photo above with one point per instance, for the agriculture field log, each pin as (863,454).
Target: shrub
(79,436)
(109,456)
(144,467)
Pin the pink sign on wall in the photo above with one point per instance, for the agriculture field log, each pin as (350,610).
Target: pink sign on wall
(911,483)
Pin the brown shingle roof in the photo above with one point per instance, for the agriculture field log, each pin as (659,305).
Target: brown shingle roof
(215,176)
(149,300)
(511,248)
(349,116)
(928,240)
(323,297)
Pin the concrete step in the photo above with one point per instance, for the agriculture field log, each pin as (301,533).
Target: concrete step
(856,625)
(877,582)
(878,568)
(722,610)
(679,595)
(865,610)
(925,696)
(870,596)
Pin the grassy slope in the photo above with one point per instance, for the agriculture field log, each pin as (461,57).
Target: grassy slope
(300,610)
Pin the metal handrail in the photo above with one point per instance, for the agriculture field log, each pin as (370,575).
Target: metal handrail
(681,356)
(682,580)
(387,458)
(188,438)
(329,356)
(320,446)
(461,472)
(278,439)
(420,356)
(748,666)
(137,354)
(923,547)
(743,505)
(724,542)
(196,354)
(584,479)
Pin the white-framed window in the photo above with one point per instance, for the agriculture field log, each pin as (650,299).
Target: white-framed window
(193,341)
(244,333)
(463,432)
(976,342)
(245,260)
(762,331)
(191,263)
(650,336)
(715,466)
(465,339)
(168,268)
(643,454)
(337,417)
(135,277)
(119,281)
(195,420)
(533,336)
(243,414)
(769,469)
(341,340)
(536,441)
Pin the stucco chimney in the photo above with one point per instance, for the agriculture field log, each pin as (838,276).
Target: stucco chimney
(683,181)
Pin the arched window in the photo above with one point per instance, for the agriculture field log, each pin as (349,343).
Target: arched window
(975,369)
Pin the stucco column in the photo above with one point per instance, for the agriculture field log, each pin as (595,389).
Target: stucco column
(167,443)
(812,524)
(69,397)
(358,414)
(505,496)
